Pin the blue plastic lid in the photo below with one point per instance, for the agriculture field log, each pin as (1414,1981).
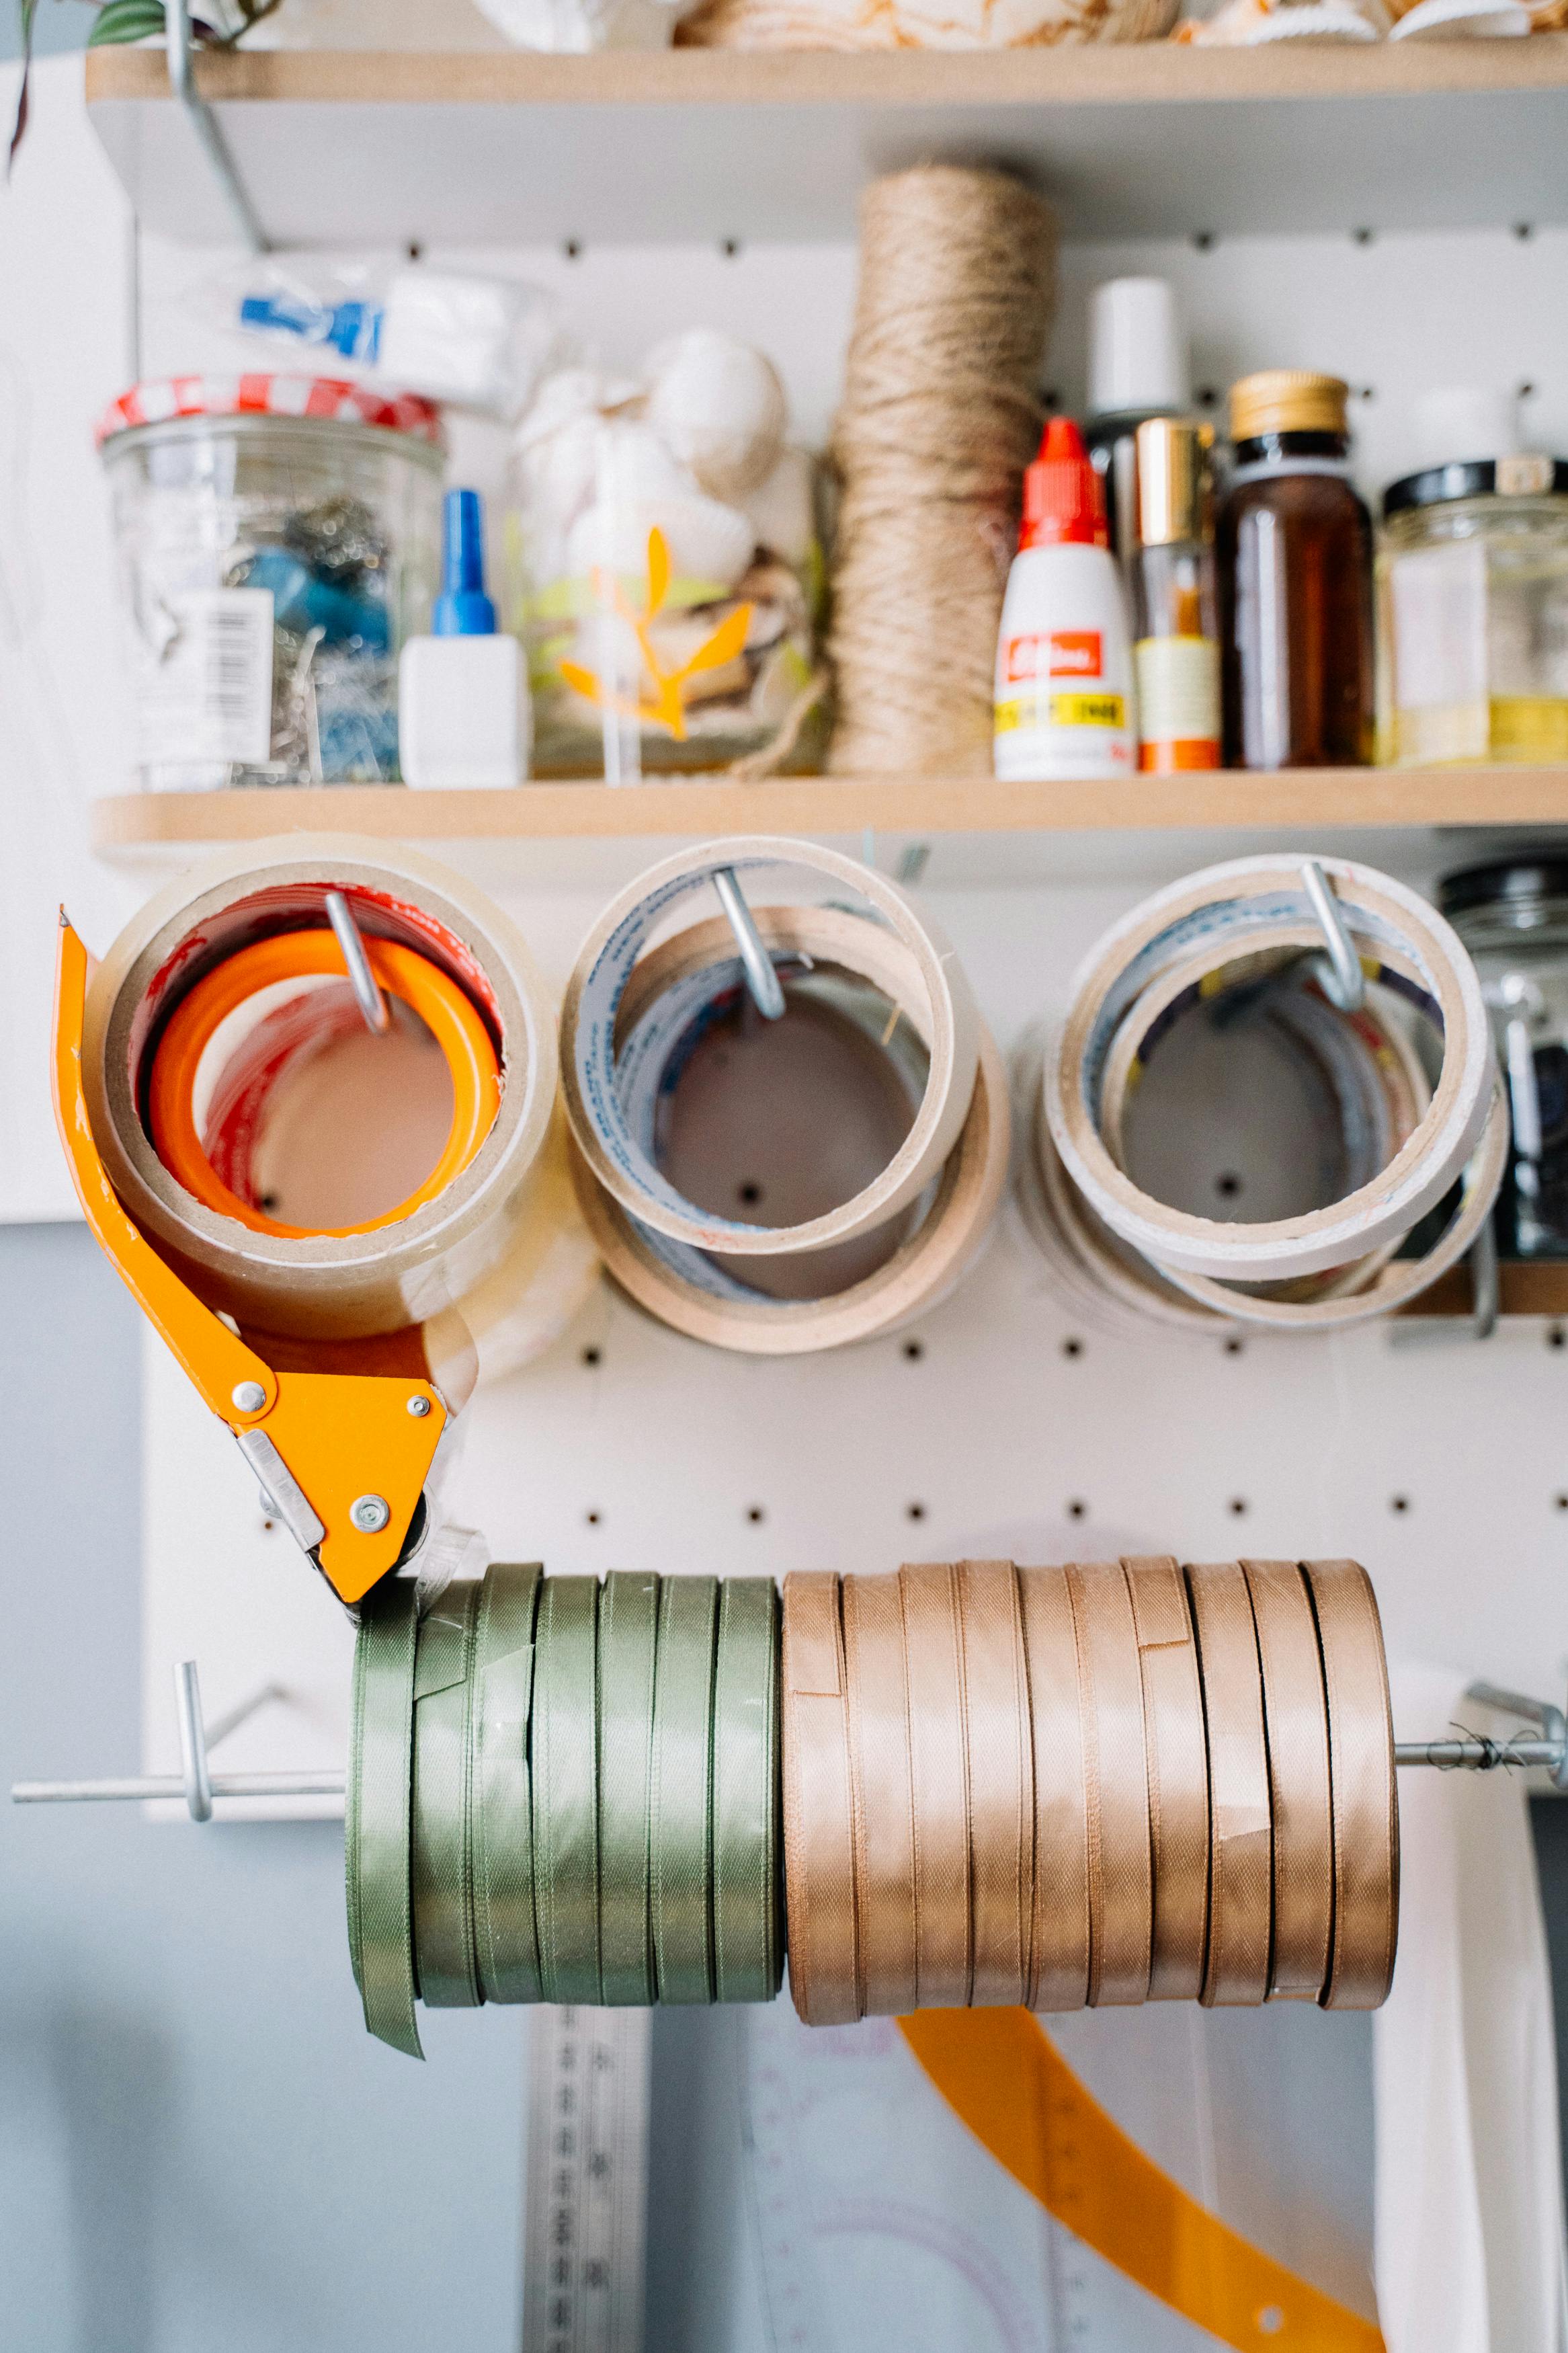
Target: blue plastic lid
(463,609)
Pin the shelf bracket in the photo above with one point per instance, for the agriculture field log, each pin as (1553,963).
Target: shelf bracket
(205,123)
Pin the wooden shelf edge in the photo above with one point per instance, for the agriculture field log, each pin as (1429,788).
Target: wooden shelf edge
(1525,1287)
(1299,800)
(1137,73)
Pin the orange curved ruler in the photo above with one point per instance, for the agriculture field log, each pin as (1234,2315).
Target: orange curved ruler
(1006,2080)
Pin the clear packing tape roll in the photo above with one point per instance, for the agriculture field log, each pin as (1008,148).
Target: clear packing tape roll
(639,1006)
(310,1102)
(1238,941)
(1099,1785)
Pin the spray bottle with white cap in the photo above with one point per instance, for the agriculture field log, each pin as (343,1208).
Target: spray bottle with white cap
(463,713)
(1137,369)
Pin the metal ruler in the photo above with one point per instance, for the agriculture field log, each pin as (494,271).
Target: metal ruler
(582,2282)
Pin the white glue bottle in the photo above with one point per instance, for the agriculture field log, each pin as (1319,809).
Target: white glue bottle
(1064,660)
(463,713)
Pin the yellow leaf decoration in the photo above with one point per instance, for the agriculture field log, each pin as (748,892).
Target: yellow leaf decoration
(668,707)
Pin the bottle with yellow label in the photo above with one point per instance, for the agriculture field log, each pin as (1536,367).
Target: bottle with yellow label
(1064,660)
(1175,651)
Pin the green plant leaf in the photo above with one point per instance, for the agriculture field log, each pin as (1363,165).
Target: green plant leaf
(126,20)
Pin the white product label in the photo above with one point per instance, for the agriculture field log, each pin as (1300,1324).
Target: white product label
(1439,600)
(204,691)
(1178,691)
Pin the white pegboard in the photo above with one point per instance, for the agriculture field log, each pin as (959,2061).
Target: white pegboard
(1005,1423)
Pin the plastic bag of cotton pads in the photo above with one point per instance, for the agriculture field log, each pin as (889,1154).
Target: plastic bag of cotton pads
(478,342)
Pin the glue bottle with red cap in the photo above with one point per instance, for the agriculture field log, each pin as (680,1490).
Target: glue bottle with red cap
(1064,660)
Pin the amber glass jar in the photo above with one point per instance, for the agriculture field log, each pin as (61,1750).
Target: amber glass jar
(1294,548)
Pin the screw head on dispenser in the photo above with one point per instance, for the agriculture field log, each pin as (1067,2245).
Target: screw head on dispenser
(370,1514)
(419,1407)
(247,1396)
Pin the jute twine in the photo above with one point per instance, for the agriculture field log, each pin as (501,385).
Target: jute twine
(941,415)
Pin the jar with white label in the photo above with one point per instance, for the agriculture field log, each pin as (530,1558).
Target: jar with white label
(277,539)
(1473,615)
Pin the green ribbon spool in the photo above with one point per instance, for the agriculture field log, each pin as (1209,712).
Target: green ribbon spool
(680,1832)
(748,1830)
(565,1789)
(505,1941)
(378,1823)
(629,1639)
(564,1792)
(441,1872)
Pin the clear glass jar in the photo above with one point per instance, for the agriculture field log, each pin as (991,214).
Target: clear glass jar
(1513,918)
(271,566)
(1472,583)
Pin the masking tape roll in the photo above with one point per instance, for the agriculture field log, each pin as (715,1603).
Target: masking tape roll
(347,1285)
(505,1943)
(1295,1719)
(1241,1819)
(1058,1965)
(1001,1780)
(603,1069)
(1116,1777)
(681,1848)
(685,1290)
(444,1946)
(1248,918)
(818,1805)
(628,1648)
(1365,1791)
(747,1862)
(1176,1751)
(939,1760)
(880,1735)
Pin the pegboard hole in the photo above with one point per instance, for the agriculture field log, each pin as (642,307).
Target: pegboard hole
(414,250)
(1559,1504)
(1364,236)
(1236,1505)
(1524,230)
(729,247)
(914,1510)
(1234,1346)
(1204,240)
(1077,1509)
(1399,1502)
(1072,1347)
(1555,1337)
(914,1350)
(750,1192)
(1208,396)
(591,1357)
(1526,392)
(572,250)
(592,1518)
(1227,1184)
(755,1514)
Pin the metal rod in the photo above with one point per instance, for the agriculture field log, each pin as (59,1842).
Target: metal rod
(195,1780)
(205,123)
(1344,983)
(367,996)
(767,992)
(142,1785)
(1478,1755)
(1486,1283)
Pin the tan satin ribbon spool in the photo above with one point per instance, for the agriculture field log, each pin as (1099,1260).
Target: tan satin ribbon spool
(1295,1715)
(325,1286)
(1176,1752)
(1120,1887)
(888,942)
(920,1272)
(818,1806)
(1001,1780)
(880,1735)
(1058,1962)
(1365,1796)
(938,1757)
(1241,1893)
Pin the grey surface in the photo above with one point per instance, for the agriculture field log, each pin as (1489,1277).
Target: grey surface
(59,24)
(201,2151)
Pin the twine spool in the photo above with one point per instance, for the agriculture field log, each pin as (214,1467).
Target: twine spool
(941,415)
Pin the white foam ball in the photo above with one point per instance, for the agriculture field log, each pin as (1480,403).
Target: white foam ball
(718,404)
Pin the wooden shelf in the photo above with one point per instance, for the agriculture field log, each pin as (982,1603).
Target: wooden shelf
(695,145)
(1297,799)
(1526,1287)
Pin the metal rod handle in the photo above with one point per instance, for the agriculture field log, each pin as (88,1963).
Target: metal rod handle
(367,995)
(205,123)
(767,992)
(1344,981)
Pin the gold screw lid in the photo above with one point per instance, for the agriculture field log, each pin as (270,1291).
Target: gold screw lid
(1172,480)
(1287,400)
